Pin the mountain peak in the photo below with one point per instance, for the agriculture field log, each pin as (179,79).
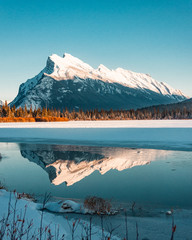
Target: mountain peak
(66,67)
(81,82)
(102,68)
(68,61)
(68,55)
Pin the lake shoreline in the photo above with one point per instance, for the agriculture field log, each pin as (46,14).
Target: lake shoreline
(158,223)
(103,124)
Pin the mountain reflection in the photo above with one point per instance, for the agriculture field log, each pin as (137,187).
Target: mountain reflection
(70,164)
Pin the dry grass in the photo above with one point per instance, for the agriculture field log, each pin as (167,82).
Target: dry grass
(26,196)
(30,119)
(2,186)
(97,205)
(50,119)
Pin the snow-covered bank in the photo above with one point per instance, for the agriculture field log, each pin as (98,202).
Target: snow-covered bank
(151,225)
(50,222)
(103,124)
(169,135)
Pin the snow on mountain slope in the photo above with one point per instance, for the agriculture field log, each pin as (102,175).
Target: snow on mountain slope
(55,79)
(70,67)
(1,102)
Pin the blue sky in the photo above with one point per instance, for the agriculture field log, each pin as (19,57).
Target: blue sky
(148,36)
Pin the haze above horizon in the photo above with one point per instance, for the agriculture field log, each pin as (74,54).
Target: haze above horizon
(143,36)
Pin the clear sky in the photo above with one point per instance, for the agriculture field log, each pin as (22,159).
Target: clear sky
(149,36)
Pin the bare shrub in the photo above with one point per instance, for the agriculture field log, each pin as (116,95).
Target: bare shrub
(97,205)
(25,196)
(2,186)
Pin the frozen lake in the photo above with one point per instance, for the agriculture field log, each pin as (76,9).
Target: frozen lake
(150,177)
(146,162)
(149,134)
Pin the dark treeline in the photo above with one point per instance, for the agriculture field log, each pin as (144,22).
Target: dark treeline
(45,114)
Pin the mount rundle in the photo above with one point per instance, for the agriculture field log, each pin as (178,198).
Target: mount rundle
(69,82)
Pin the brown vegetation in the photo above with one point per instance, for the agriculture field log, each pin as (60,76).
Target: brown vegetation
(97,205)
(8,114)
(39,119)
(2,186)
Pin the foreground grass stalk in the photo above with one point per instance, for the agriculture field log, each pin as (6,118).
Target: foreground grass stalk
(102,228)
(137,232)
(4,221)
(45,200)
(126,226)
(173,227)
(90,228)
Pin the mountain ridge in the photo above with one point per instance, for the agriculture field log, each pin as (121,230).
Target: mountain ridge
(69,82)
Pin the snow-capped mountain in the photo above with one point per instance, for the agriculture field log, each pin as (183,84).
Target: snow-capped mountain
(69,82)
(71,164)
(1,103)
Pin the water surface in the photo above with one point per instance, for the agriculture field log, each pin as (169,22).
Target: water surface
(146,176)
